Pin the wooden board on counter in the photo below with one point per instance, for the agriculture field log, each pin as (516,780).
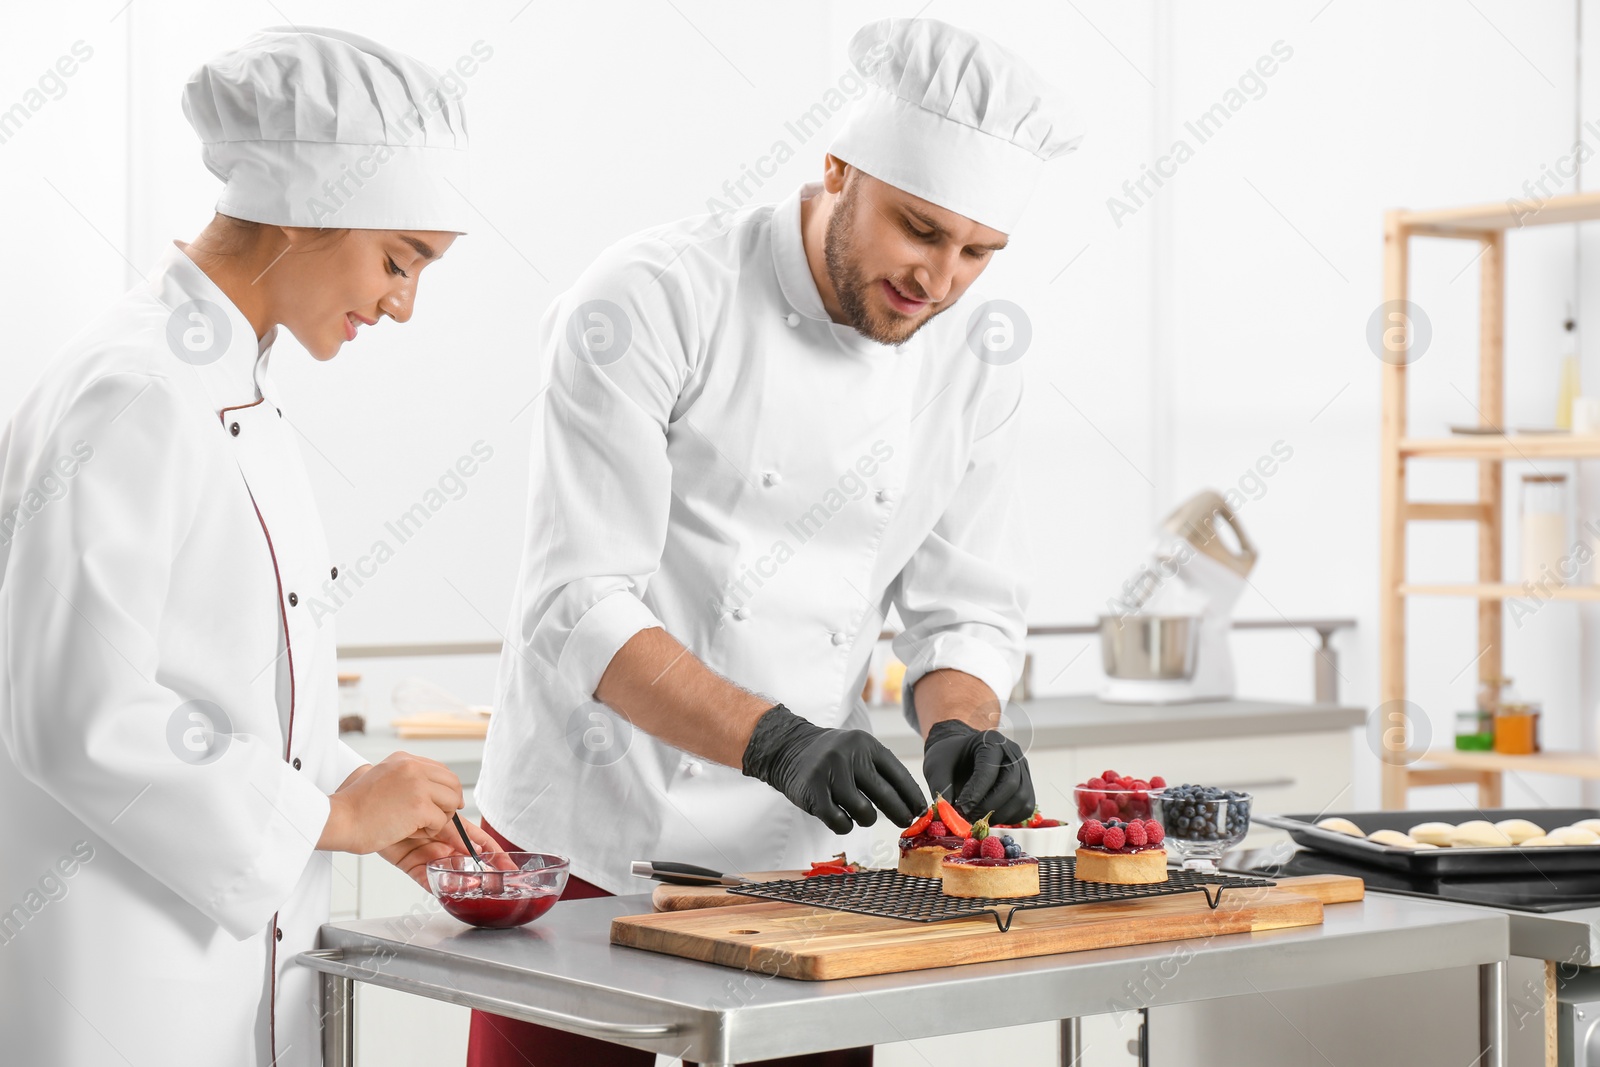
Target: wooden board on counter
(795,941)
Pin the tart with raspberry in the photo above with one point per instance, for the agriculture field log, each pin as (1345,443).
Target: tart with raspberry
(990,865)
(1121,853)
(937,833)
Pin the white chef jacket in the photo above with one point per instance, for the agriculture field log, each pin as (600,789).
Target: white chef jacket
(157,540)
(762,483)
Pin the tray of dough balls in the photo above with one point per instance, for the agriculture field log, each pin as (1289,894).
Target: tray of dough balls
(1502,841)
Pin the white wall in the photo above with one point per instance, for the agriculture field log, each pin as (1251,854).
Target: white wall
(1225,314)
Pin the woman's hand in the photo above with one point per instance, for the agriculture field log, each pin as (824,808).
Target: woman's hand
(381,805)
(415,853)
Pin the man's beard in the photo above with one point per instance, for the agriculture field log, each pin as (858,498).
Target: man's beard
(851,286)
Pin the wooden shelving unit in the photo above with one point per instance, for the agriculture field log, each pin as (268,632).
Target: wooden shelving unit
(1486,225)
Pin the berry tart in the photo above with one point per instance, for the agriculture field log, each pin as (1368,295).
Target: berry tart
(937,833)
(1121,853)
(990,866)
(1039,836)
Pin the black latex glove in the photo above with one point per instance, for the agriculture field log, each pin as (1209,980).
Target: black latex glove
(978,771)
(841,776)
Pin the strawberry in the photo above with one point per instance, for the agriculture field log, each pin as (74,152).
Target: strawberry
(921,823)
(992,848)
(1035,819)
(952,818)
(1115,838)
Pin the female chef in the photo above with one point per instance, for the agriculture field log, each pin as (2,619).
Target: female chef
(171,774)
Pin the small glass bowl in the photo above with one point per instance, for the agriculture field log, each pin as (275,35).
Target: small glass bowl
(510,889)
(1105,804)
(1200,829)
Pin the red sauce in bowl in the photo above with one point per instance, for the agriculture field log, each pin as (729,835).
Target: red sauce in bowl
(513,906)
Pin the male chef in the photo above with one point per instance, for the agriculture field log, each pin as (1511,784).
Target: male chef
(762,429)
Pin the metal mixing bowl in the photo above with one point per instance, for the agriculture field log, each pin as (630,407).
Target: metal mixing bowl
(1149,647)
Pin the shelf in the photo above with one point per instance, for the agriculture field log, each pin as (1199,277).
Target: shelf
(1503,592)
(1576,764)
(1501,446)
(1470,221)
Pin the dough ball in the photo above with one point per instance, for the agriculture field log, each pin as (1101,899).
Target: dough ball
(1519,830)
(1591,825)
(1341,826)
(1432,833)
(1392,838)
(1539,842)
(1572,835)
(1479,835)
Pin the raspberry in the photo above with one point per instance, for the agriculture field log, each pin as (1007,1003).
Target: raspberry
(1158,782)
(937,829)
(1110,776)
(1153,832)
(1115,838)
(1107,808)
(1095,783)
(1135,834)
(969,848)
(992,848)
(1139,785)
(1091,832)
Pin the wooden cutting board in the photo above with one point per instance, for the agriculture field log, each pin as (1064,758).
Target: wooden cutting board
(795,941)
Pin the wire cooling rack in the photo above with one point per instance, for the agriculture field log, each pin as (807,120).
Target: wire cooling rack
(893,895)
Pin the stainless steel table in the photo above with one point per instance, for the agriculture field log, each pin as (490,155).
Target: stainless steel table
(563,972)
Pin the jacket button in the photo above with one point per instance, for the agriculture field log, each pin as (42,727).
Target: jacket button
(771,478)
(793,319)
(837,638)
(293,600)
(693,768)
(297,763)
(234,429)
(885,495)
(277,933)
(336,572)
(741,614)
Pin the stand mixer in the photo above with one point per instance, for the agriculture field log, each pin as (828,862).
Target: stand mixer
(1166,638)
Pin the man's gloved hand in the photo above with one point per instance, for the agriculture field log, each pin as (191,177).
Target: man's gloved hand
(978,771)
(836,775)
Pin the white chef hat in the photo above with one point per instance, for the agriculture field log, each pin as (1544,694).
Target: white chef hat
(309,126)
(954,118)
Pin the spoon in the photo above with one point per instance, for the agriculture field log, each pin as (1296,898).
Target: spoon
(465,840)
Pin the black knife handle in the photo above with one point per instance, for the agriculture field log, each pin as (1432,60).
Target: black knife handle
(688,873)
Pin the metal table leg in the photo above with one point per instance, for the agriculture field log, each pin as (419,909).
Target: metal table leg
(1071,1042)
(338,1021)
(1492,1013)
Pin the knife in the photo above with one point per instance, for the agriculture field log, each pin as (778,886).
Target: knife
(684,874)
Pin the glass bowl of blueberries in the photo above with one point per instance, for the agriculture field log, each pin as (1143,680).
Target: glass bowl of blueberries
(1201,822)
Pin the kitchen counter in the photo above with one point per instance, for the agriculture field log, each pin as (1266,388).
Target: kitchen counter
(563,971)
(1044,723)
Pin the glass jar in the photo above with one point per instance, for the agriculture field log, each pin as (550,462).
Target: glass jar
(1545,539)
(1516,729)
(1474,731)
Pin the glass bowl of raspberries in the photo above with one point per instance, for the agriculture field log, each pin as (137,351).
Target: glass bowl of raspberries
(1109,795)
(1202,822)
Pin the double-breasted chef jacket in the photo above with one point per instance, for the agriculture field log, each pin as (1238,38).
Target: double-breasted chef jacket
(716,457)
(168,722)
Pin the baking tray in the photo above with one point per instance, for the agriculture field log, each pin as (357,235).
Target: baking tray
(893,895)
(1440,862)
